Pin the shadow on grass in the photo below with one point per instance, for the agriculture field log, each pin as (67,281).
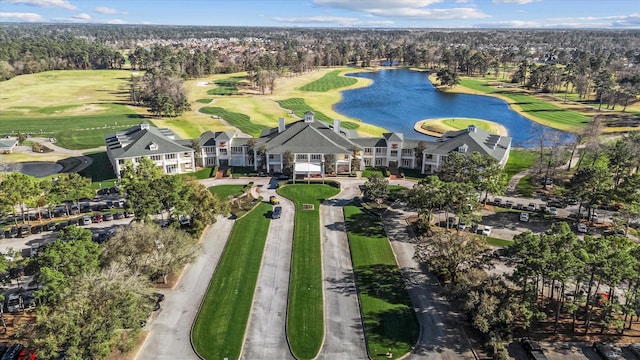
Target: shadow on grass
(392,328)
(382,282)
(100,169)
(364,224)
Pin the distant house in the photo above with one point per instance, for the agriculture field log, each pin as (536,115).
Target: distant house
(7,145)
(170,153)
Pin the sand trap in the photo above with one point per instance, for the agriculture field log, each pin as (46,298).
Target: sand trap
(34,168)
(203,83)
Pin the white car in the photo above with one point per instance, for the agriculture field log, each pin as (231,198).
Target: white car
(531,207)
(524,216)
(582,228)
(553,211)
(462,225)
(486,230)
(85,220)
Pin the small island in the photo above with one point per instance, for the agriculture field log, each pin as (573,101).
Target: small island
(437,127)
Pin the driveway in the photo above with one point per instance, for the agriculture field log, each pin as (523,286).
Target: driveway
(344,336)
(170,333)
(266,332)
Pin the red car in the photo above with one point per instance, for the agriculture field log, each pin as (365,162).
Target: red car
(97,218)
(601,298)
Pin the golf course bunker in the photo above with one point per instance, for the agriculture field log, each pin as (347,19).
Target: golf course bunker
(33,168)
(437,127)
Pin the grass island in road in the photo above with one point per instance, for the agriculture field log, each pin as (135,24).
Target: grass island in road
(390,322)
(305,316)
(220,327)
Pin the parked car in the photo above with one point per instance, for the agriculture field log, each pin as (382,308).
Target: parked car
(97,218)
(85,220)
(50,226)
(184,220)
(13,232)
(621,232)
(524,216)
(635,349)
(497,202)
(61,225)
(13,352)
(277,211)
(508,204)
(462,225)
(118,215)
(274,200)
(36,229)
(582,228)
(533,349)
(14,303)
(74,210)
(531,207)
(553,211)
(605,351)
(129,213)
(486,230)
(107,217)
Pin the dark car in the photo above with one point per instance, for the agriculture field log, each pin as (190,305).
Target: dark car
(36,229)
(3,349)
(25,230)
(50,226)
(533,349)
(119,215)
(13,352)
(605,351)
(13,232)
(277,211)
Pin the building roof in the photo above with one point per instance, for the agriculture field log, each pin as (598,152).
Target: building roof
(144,140)
(305,137)
(471,140)
(8,144)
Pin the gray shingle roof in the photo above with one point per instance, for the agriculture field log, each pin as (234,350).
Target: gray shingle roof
(475,139)
(301,137)
(136,141)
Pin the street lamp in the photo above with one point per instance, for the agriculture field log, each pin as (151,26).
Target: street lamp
(322,163)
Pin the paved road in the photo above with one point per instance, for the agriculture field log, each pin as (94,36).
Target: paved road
(440,330)
(266,332)
(344,336)
(170,333)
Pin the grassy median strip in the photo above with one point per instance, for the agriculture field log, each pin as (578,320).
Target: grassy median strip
(305,320)
(219,329)
(390,323)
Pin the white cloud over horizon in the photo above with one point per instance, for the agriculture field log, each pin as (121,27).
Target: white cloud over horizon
(338,20)
(405,9)
(108,11)
(28,17)
(44,3)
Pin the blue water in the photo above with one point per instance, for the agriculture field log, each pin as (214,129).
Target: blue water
(398,98)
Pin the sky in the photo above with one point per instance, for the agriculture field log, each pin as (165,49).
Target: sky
(609,14)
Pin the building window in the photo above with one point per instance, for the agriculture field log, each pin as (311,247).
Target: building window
(170,156)
(156,157)
(428,156)
(381,151)
(236,149)
(301,157)
(187,155)
(316,157)
(210,149)
(367,162)
(121,161)
(367,151)
(406,163)
(379,162)
(394,152)
(153,147)
(223,152)
(407,151)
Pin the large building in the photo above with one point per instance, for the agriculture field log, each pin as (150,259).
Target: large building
(310,143)
(162,146)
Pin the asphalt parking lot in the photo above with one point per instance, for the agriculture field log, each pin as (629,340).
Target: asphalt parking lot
(569,351)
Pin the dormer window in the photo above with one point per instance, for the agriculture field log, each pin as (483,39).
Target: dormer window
(463,148)
(153,147)
(144,126)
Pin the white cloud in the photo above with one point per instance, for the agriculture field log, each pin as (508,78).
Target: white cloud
(631,21)
(520,2)
(405,9)
(45,3)
(82,17)
(114,21)
(462,1)
(108,10)
(336,20)
(28,17)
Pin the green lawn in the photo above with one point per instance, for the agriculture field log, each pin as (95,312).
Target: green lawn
(330,81)
(497,242)
(227,86)
(368,172)
(241,121)
(203,101)
(100,170)
(201,174)
(73,132)
(224,191)
(305,320)
(524,187)
(519,160)
(555,116)
(219,330)
(390,322)
(299,107)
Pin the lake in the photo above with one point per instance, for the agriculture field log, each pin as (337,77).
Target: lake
(398,98)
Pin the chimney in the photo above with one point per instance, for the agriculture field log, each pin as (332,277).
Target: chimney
(280,125)
(336,126)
